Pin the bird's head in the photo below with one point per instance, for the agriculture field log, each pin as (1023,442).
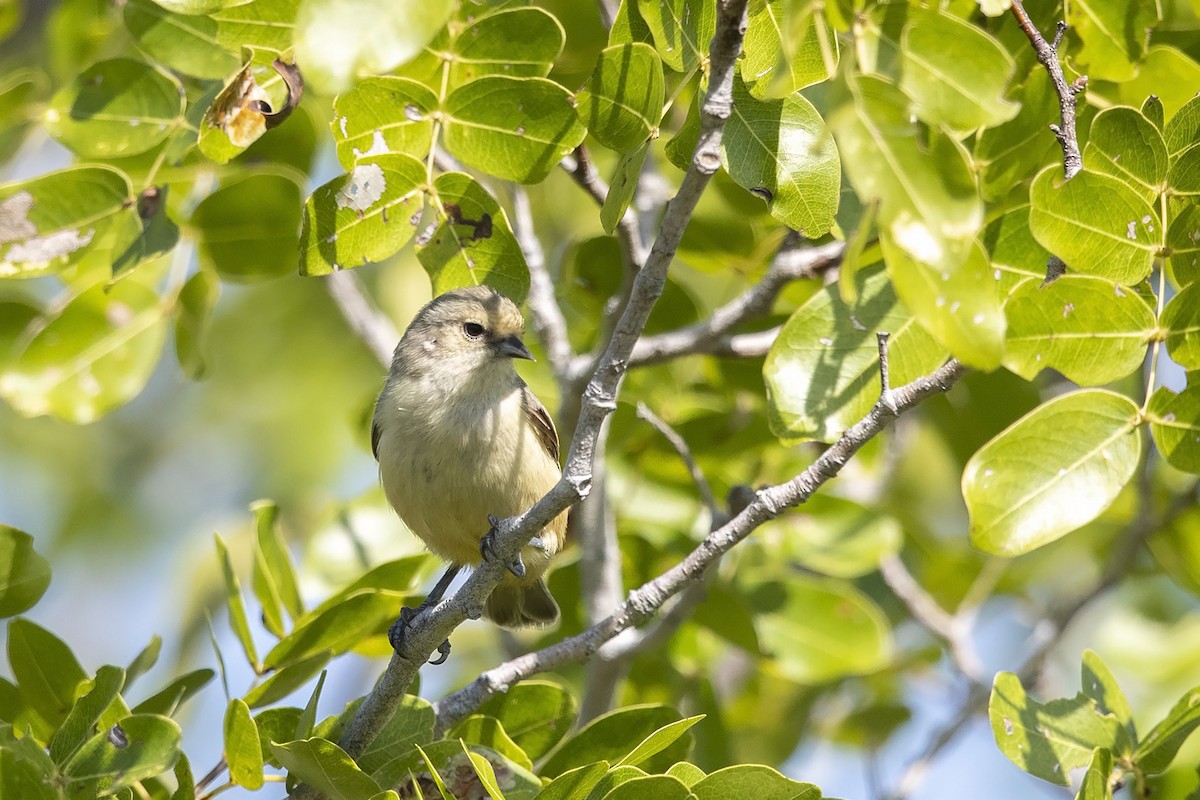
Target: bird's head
(475,328)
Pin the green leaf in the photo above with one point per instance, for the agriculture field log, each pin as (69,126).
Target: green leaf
(1008,154)
(95,355)
(307,720)
(928,201)
(681,30)
(444,761)
(781,152)
(193,6)
(1091,330)
(243,752)
(822,372)
(1183,240)
(838,537)
(517,129)
(622,103)
(336,628)
(23,778)
(1185,173)
(1183,127)
(399,577)
(86,713)
(487,731)
(955,300)
(536,714)
(49,222)
(119,107)
(1165,72)
(326,768)
(383,114)
(287,679)
(726,611)
(473,243)
(138,747)
(1097,781)
(1050,740)
(690,774)
(1015,254)
(338,41)
(521,42)
(24,574)
(1124,144)
(1100,685)
(658,787)
(194,310)
(484,772)
(1052,471)
(658,741)
(820,629)
(955,73)
(1175,425)
(155,233)
(142,662)
(1181,323)
(246,230)
(1115,35)
(276,724)
(362,217)
(1095,223)
(236,605)
(622,187)
(236,118)
(411,724)
(574,784)
(184,780)
(184,42)
(1156,752)
(752,780)
(609,737)
(275,562)
(614,778)
(264,24)
(167,700)
(788,46)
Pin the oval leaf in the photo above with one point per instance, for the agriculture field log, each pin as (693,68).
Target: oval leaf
(517,129)
(119,107)
(24,574)
(622,103)
(1095,223)
(136,748)
(1124,144)
(1181,321)
(522,42)
(536,714)
(247,229)
(1175,426)
(1090,329)
(325,767)
(788,46)
(381,115)
(1052,471)
(243,752)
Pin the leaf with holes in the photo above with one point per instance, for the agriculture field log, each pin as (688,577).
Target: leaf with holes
(381,115)
(473,243)
(364,216)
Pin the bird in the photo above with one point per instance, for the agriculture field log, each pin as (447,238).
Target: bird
(462,441)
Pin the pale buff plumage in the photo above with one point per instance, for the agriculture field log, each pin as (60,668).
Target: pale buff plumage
(459,436)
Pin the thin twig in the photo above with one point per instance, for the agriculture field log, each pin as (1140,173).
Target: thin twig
(599,401)
(713,334)
(545,313)
(367,321)
(685,455)
(1047,54)
(647,599)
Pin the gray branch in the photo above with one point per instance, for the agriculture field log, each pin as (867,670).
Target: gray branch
(1047,54)
(647,599)
(364,318)
(545,313)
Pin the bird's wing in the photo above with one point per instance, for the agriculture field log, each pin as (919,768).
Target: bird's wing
(540,421)
(376,432)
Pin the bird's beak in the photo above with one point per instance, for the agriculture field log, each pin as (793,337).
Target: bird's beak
(513,347)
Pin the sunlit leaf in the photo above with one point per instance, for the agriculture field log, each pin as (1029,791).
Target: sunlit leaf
(1097,781)
(487,731)
(136,748)
(183,42)
(1160,746)
(781,151)
(1175,426)
(955,73)
(93,356)
(1181,322)
(681,30)
(610,737)
(788,46)
(1115,35)
(1095,223)
(338,41)
(243,753)
(1100,685)
(86,713)
(1091,330)
(236,604)
(381,115)
(622,103)
(752,780)
(24,574)
(1124,144)
(537,714)
(1052,471)
(521,42)
(325,767)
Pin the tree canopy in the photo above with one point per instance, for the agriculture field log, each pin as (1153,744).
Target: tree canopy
(871,331)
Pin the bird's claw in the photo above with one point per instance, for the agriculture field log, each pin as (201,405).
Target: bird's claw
(487,548)
(399,631)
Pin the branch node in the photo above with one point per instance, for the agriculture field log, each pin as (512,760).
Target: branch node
(1058,35)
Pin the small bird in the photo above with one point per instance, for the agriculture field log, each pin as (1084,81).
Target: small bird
(461,441)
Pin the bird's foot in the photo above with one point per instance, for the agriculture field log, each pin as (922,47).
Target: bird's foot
(487,548)
(399,632)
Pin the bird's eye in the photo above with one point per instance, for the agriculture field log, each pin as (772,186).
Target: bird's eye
(473,329)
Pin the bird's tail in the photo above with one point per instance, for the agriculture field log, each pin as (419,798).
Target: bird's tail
(522,605)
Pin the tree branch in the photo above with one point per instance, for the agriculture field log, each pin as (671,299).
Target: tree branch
(1047,54)
(791,263)
(544,311)
(644,601)
(599,400)
(364,318)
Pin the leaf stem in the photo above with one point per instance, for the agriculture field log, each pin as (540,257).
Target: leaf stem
(1152,375)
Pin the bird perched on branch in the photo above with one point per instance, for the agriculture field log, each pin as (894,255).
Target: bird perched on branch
(461,440)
